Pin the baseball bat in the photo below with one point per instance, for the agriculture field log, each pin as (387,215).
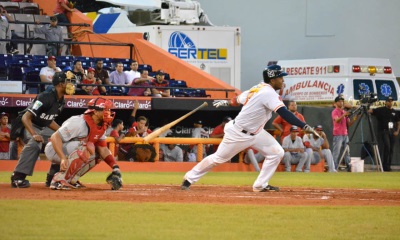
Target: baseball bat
(164,128)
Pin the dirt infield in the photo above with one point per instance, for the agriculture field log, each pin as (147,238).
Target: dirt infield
(211,194)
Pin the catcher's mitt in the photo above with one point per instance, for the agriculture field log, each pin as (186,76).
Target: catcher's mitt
(115,179)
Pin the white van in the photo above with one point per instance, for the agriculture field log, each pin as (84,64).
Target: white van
(319,81)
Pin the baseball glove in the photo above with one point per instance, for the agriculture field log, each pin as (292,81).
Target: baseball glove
(115,179)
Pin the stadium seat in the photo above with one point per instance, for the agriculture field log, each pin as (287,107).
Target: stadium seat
(4,60)
(31,78)
(198,93)
(86,64)
(177,83)
(22,57)
(23,17)
(176,92)
(38,63)
(11,7)
(81,58)
(65,58)
(42,18)
(145,67)
(63,64)
(108,66)
(29,8)
(115,91)
(39,57)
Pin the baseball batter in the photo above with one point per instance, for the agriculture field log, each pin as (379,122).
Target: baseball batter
(247,130)
(79,144)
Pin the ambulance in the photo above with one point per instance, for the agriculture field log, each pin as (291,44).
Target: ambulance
(320,81)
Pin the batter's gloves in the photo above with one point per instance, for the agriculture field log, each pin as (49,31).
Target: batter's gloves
(115,178)
(220,103)
(308,129)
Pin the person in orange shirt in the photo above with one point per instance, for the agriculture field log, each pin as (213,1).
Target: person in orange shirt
(283,126)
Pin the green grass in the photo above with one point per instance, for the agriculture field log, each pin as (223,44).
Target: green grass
(63,219)
(24,219)
(321,180)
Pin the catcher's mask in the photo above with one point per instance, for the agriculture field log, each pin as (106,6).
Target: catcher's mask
(102,104)
(68,78)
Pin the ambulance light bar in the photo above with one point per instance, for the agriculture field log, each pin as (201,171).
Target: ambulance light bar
(372,69)
(333,69)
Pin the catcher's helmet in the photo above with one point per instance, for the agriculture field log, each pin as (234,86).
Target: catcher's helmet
(273,71)
(102,104)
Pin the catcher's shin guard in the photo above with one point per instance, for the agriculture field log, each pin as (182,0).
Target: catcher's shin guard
(80,161)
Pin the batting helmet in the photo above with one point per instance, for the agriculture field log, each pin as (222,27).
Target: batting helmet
(273,71)
(102,104)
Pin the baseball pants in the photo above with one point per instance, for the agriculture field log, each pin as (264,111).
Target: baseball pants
(235,141)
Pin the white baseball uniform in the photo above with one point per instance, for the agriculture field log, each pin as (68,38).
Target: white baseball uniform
(247,130)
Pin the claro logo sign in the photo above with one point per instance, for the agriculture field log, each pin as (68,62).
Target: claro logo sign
(183,47)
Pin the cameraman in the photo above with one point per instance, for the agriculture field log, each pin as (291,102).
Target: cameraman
(341,122)
(388,129)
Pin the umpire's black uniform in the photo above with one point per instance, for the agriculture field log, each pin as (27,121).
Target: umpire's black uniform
(44,108)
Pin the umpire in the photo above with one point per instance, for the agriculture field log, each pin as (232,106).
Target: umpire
(388,129)
(31,122)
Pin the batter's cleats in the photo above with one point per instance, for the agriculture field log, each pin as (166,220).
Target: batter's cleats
(23,183)
(185,185)
(61,185)
(78,185)
(268,188)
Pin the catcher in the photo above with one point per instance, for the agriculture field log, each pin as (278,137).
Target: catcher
(79,144)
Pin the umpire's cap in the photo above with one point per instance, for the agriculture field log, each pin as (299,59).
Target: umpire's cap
(59,77)
(273,71)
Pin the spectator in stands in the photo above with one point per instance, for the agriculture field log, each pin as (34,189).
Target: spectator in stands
(294,151)
(4,24)
(218,131)
(160,82)
(143,80)
(140,128)
(101,73)
(341,122)
(62,7)
(172,152)
(118,77)
(318,148)
(4,137)
(133,73)
(90,79)
(46,73)
(282,125)
(79,71)
(198,132)
(118,126)
(52,32)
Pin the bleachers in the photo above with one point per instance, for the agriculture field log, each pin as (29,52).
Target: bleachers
(21,7)
(26,68)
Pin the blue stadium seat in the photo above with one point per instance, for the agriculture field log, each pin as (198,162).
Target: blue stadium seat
(65,58)
(4,60)
(21,56)
(39,57)
(197,93)
(85,59)
(63,64)
(86,64)
(108,66)
(145,67)
(115,91)
(176,92)
(177,83)
(31,78)
(38,63)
